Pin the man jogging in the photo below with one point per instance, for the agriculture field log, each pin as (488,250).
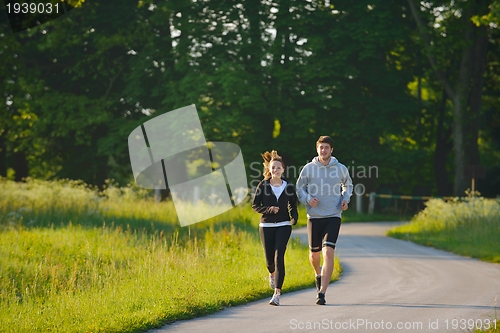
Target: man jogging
(325,188)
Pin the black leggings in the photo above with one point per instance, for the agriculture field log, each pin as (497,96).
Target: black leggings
(274,240)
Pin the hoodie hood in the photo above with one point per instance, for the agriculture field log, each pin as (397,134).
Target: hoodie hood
(333,162)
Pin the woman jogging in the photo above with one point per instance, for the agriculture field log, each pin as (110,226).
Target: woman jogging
(276,200)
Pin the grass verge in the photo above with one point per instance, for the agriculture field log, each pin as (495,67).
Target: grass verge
(469,228)
(75,260)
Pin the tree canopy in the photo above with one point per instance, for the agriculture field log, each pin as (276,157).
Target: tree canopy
(410,88)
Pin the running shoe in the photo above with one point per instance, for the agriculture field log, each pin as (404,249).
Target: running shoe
(271,282)
(320,300)
(275,300)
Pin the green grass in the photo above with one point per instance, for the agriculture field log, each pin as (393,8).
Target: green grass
(76,260)
(470,228)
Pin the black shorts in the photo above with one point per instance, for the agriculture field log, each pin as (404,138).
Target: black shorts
(322,232)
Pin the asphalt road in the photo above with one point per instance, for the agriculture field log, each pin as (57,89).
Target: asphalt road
(387,285)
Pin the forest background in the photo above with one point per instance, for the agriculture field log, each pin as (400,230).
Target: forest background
(410,88)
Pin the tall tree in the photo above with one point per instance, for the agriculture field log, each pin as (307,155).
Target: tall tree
(263,74)
(453,21)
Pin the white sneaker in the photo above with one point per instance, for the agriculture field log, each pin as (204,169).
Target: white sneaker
(275,300)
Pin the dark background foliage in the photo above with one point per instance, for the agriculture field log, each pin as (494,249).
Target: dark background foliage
(413,93)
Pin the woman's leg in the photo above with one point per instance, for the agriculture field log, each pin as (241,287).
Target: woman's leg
(282,237)
(268,238)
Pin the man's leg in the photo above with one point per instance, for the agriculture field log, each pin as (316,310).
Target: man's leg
(314,236)
(328,264)
(329,242)
(314,259)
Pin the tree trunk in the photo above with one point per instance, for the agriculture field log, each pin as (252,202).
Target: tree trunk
(475,98)
(20,166)
(468,97)
(442,151)
(101,171)
(460,105)
(3,157)
(458,148)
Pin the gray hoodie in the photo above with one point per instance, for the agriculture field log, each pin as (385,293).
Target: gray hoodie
(330,184)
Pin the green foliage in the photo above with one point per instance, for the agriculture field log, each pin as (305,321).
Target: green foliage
(75,87)
(470,228)
(492,17)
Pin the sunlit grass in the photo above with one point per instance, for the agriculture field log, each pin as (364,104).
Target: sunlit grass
(73,259)
(470,228)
